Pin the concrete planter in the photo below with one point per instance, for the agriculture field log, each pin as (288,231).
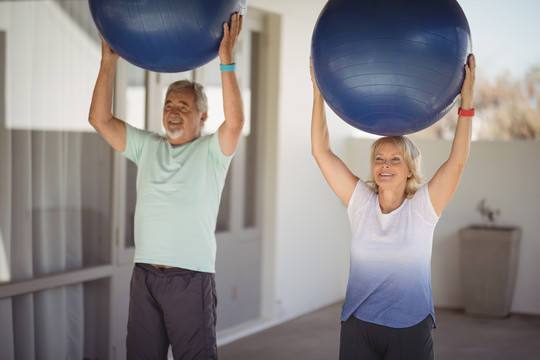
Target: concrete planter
(489,259)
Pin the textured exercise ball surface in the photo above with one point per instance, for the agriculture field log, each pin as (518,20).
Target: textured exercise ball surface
(164,35)
(390,67)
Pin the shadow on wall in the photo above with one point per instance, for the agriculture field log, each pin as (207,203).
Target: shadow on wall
(5,275)
(2,79)
(68,238)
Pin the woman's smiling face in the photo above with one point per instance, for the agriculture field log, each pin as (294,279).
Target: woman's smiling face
(389,169)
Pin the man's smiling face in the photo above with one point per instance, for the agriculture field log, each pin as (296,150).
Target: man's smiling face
(181,118)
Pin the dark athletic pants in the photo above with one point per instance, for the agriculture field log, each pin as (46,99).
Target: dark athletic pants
(362,340)
(171,306)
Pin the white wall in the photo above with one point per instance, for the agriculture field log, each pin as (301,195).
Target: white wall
(42,42)
(505,174)
(311,235)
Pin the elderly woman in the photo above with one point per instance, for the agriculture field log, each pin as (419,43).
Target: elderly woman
(388,310)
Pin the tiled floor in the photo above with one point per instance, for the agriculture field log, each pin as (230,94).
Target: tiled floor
(457,337)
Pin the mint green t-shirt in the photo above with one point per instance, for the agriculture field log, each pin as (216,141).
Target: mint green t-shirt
(178,194)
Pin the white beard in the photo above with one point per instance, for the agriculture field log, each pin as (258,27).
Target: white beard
(175,134)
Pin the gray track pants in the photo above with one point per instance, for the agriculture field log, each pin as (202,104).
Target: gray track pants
(171,306)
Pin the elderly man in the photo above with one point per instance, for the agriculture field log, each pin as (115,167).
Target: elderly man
(179,183)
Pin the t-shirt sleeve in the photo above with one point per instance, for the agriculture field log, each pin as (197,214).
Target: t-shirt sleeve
(360,197)
(135,139)
(423,206)
(221,160)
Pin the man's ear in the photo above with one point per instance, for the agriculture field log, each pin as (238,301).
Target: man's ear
(204,116)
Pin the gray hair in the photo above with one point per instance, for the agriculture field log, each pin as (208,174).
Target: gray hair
(198,90)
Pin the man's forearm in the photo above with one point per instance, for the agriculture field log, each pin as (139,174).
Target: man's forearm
(101,106)
(233,106)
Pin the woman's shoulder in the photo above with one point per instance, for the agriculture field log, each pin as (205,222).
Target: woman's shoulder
(421,203)
(361,195)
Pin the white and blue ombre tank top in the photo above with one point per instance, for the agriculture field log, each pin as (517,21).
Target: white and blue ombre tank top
(390,272)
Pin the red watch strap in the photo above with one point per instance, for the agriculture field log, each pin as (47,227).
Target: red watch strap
(462,112)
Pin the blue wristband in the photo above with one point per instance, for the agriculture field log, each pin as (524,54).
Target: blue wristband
(230,67)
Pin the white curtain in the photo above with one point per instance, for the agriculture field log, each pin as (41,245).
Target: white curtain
(41,225)
(48,65)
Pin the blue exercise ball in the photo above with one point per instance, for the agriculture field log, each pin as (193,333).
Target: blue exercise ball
(390,67)
(164,35)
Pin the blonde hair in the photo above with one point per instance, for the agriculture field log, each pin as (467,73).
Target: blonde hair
(411,156)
